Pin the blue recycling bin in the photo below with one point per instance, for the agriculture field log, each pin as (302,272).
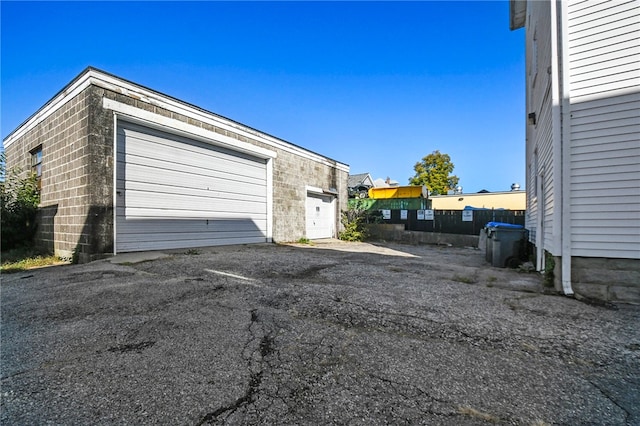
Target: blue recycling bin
(504,245)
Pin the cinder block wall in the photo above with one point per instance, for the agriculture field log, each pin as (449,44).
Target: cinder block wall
(291,173)
(99,221)
(76,209)
(65,173)
(612,280)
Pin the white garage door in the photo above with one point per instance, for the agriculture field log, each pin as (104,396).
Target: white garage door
(320,216)
(174,192)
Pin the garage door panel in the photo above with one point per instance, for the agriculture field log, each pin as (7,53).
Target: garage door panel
(203,237)
(192,226)
(146,177)
(235,170)
(199,155)
(211,190)
(175,192)
(159,138)
(195,164)
(139,214)
(182,203)
(158,197)
(185,244)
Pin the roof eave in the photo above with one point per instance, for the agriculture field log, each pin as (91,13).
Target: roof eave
(517,14)
(95,76)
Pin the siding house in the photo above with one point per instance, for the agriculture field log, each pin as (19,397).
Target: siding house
(125,168)
(583,143)
(359,184)
(510,200)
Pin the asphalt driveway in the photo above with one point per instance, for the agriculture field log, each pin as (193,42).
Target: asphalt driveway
(336,333)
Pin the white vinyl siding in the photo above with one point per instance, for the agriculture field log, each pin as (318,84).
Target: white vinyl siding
(605,177)
(545,154)
(174,192)
(604,48)
(531,213)
(538,55)
(540,135)
(604,61)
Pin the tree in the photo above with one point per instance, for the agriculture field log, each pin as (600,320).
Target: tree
(19,199)
(434,172)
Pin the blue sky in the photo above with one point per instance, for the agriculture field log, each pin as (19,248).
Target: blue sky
(376,85)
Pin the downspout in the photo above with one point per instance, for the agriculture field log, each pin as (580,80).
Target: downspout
(561,139)
(566,151)
(115,182)
(269,165)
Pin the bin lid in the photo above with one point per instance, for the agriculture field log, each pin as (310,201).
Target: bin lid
(503,225)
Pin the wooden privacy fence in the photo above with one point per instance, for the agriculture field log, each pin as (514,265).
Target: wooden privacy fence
(465,222)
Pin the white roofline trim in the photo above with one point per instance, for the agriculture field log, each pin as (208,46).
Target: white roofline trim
(479,194)
(109,82)
(160,122)
(49,108)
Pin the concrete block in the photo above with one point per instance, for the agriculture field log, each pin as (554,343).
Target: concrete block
(626,294)
(591,291)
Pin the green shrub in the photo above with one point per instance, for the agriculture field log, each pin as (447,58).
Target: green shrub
(354,225)
(19,199)
(23,258)
(467,279)
(75,255)
(550,264)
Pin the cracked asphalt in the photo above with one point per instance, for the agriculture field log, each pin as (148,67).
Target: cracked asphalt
(334,333)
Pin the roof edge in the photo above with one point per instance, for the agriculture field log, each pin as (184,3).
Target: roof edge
(61,93)
(94,76)
(517,14)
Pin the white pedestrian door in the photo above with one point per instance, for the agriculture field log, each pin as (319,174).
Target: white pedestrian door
(320,216)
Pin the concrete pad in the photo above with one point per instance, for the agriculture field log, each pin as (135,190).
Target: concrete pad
(132,258)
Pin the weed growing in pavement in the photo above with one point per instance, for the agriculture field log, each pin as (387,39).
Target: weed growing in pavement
(464,279)
(491,280)
(75,256)
(192,252)
(550,265)
(303,240)
(526,267)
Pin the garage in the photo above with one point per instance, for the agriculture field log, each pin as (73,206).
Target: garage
(173,191)
(320,215)
(149,171)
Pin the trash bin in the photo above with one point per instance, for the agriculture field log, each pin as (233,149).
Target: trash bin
(504,244)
